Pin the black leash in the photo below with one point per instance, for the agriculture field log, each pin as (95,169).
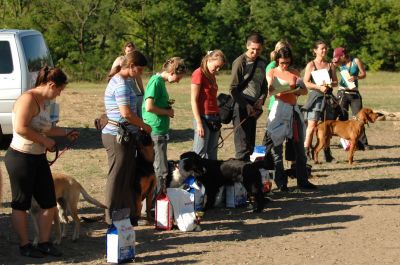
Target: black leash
(59,153)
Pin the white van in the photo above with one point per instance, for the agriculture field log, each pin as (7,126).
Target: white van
(22,54)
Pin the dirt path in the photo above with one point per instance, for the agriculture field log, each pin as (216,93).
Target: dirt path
(353,218)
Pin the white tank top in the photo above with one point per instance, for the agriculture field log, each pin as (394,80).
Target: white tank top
(40,123)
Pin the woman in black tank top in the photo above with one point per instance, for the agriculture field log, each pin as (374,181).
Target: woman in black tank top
(315,104)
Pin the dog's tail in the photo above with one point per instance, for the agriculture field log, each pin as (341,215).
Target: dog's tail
(90,199)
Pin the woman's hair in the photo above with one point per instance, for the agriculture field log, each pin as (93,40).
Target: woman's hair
(175,65)
(285,53)
(136,58)
(211,56)
(279,45)
(129,44)
(47,74)
(317,43)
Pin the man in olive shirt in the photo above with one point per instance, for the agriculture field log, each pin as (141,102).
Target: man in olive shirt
(248,99)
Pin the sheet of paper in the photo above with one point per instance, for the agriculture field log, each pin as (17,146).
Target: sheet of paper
(321,77)
(280,86)
(346,76)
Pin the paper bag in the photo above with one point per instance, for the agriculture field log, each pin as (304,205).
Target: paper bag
(183,208)
(120,238)
(236,195)
(163,214)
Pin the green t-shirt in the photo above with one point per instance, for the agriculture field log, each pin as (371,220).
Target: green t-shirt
(156,89)
(270,66)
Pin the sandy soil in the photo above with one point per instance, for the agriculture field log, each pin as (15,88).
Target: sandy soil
(353,218)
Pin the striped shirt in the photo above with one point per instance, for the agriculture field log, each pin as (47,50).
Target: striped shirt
(118,93)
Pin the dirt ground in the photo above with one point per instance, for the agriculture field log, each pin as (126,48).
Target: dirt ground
(353,218)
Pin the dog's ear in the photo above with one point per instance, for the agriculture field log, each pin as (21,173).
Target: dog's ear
(363,116)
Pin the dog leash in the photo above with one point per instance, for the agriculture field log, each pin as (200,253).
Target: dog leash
(59,153)
(221,142)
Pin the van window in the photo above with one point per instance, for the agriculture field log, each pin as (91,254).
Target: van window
(36,52)
(6,64)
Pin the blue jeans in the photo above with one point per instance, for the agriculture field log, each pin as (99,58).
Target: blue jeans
(207,146)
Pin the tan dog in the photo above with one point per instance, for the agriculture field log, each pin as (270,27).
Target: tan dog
(68,191)
(349,130)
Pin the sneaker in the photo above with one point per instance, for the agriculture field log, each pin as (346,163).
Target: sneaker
(307,186)
(368,147)
(47,248)
(284,188)
(29,250)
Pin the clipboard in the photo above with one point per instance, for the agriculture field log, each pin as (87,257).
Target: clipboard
(321,77)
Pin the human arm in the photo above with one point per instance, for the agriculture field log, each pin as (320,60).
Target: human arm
(132,118)
(151,107)
(362,73)
(194,96)
(237,77)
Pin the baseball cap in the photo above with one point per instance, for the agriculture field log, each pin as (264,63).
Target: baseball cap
(338,52)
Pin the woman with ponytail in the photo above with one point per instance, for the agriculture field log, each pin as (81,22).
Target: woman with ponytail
(26,162)
(204,90)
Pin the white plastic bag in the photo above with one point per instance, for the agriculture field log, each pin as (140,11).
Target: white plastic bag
(183,208)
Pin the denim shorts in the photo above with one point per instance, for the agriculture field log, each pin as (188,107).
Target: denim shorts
(314,114)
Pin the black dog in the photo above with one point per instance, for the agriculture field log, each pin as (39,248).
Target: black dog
(215,173)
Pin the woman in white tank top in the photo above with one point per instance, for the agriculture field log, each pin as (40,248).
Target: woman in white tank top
(26,162)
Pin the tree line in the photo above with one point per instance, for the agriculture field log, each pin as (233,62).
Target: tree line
(85,36)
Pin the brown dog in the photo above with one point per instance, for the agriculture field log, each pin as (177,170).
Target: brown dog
(349,130)
(145,180)
(68,191)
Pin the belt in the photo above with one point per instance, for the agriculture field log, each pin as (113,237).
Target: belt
(118,124)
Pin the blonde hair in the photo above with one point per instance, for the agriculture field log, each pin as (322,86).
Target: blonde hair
(211,56)
(279,45)
(175,65)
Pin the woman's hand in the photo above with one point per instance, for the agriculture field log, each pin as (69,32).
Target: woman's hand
(146,128)
(50,144)
(323,89)
(170,112)
(353,78)
(72,135)
(200,129)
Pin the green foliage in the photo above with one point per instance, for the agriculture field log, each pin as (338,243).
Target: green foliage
(86,36)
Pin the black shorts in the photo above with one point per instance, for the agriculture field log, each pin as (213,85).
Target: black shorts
(30,175)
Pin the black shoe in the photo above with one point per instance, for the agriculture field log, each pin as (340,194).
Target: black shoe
(328,156)
(29,250)
(47,248)
(360,146)
(308,186)
(284,188)
(368,147)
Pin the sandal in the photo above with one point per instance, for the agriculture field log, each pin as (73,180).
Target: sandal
(47,248)
(29,250)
